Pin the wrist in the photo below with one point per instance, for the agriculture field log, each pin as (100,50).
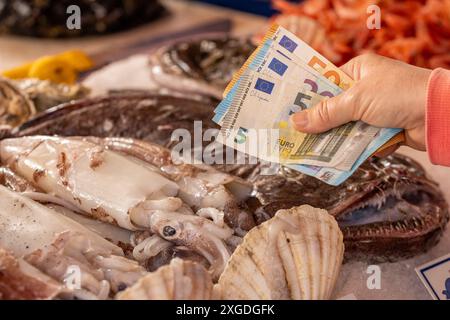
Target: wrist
(437,121)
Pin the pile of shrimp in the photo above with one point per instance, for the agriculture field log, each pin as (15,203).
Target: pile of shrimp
(414,31)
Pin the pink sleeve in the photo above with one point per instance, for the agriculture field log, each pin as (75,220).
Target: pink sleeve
(438,117)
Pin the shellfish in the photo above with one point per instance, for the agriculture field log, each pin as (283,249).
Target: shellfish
(296,254)
(46,94)
(15,106)
(389,209)
(180,280)
(20,100)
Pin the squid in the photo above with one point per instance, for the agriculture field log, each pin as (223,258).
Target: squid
(55,244)
(136,186)
(21,281)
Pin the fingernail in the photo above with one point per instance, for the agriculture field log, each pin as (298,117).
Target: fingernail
(300,120)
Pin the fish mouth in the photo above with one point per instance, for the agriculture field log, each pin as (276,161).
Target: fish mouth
(391,207)
(393,223)
(389,210)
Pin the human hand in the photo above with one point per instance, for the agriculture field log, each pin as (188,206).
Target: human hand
(387,93)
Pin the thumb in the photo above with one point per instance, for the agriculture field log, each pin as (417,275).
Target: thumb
(328,114)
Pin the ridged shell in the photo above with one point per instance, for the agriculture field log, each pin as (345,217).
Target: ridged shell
(295,255)
(180,280)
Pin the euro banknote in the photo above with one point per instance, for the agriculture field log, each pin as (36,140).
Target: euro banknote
(265,102)
(284,61)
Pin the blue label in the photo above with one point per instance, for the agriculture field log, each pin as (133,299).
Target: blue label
(447,289)
(288,44)
(264,86)
(277,66)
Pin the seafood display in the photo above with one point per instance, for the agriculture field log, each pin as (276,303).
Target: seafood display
(205,66)
(413,31)
(48,18)
(388,210)
(295,255)
(149,117)
(97,204)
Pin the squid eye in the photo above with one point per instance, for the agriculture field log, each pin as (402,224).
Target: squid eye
(169,231)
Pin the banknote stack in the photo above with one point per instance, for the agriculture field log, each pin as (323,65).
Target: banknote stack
(283,76)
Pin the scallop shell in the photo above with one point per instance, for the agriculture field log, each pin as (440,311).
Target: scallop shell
(180,280)
(295,255)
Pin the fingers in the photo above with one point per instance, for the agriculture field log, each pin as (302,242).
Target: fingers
(352,68)
(343,108)
(360,66)
(326,115)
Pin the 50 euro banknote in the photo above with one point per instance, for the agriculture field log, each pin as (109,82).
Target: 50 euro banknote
(280,39)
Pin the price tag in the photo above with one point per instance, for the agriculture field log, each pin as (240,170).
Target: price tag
(435,275)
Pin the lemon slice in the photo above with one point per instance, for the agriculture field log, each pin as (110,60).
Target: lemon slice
(77,59)
(54,69)
(18,72)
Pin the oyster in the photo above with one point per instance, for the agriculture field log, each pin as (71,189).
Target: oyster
(364,206)
(204,66)
(295,255)
(180,280)
(46,94)
(20,100)
(15,106)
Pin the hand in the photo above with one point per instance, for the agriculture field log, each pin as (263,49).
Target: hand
(387,93)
